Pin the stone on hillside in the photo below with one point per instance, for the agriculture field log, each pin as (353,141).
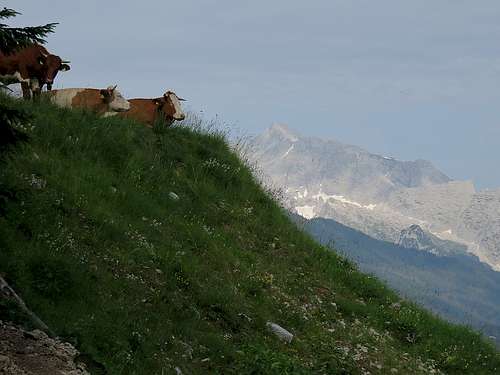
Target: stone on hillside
(173,196)
(279,331)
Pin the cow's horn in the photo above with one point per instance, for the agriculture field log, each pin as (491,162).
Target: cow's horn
(181,99)
(65,62)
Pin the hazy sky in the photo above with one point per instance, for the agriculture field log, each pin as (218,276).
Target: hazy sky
(417,79)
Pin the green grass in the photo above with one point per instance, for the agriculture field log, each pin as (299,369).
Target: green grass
(142,283)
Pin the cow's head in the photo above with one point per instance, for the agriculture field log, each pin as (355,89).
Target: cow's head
(169,104)
(114,100)
(51,65)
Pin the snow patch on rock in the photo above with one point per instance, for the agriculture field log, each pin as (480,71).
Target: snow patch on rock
(305,211)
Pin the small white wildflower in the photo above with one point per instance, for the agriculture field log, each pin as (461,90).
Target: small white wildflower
(156,223)
(207,229)
(37,182)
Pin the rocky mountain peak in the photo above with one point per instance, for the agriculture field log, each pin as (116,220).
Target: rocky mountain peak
(380,195)
(282,131)
(342,169)
(413,238)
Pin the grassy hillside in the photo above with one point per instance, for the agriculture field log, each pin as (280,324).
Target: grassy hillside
(141,282)
(458,287)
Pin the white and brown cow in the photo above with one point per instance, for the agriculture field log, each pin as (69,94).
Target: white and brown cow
(105,102)
(148,111)
(33,67)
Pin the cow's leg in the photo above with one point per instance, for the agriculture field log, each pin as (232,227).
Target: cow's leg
(36,88)
(25,86)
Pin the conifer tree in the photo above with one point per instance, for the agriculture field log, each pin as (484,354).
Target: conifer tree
(12,39)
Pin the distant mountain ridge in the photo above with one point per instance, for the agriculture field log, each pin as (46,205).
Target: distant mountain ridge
(379,195)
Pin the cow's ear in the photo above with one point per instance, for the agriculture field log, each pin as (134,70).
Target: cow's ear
(104,93)
(64,67)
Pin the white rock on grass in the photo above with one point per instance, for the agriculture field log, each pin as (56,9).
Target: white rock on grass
(279,331)
(173,196)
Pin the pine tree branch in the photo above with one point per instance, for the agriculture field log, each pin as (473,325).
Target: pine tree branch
(8,134)
(13,38)
(11,115)
(8,13)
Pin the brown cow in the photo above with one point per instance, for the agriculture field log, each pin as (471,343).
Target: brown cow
(148,111)
(105,102)
(33,67)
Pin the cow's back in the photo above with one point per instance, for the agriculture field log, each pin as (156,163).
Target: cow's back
(141,110)
(64,97)
(23,61)
(78,98)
